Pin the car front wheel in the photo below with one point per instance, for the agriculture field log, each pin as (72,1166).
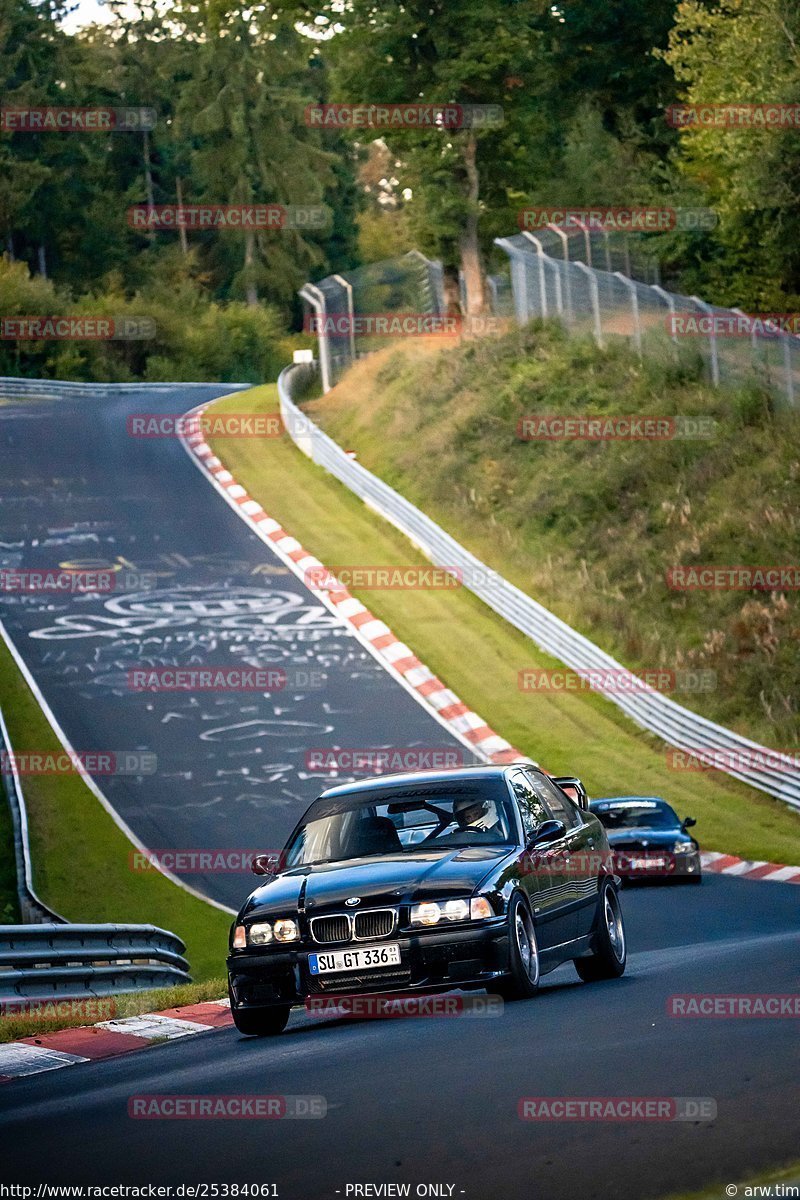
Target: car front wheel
(523,979)
(610,952)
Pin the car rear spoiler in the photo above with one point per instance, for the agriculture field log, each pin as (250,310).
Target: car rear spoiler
(569,783)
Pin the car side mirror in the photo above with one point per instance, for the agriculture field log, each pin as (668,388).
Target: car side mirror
(263,864)
(548,831)
(688,822)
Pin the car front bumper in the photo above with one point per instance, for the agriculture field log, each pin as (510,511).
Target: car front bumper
(655,864)
(429,961)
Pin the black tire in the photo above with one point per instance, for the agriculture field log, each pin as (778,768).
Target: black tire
(261,1022)
(610,953)
(523,954)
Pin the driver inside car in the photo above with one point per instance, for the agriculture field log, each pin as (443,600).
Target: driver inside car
(478,817)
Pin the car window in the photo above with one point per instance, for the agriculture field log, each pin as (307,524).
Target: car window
(631,814)
(531,808)
(400,822)
(559,805)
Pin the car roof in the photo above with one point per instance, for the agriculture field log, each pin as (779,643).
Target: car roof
(417,778)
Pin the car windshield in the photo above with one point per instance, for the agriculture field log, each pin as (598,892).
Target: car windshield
(400,822)
(636,814)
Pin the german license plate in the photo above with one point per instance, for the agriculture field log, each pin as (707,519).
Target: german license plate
(367,958)
(644,863)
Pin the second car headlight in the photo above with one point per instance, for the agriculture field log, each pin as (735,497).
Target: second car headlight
(433,912)
(262,933)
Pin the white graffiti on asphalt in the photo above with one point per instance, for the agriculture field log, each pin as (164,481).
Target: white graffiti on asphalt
(254,612)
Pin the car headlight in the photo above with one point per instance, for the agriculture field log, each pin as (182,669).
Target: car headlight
(260,934)
(240,938)
(286,931)
(431,912)
(683,848)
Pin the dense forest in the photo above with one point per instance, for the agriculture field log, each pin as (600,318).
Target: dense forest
(223,92)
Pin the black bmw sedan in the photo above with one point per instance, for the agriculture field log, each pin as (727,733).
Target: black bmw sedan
(470,878)
(648,839)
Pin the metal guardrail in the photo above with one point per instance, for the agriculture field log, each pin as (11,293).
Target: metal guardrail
(54,389)
(70,962)
(46,957)
(753,764)
(32,909)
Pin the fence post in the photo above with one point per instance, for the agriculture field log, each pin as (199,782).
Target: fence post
(595,294)
(318,304)
(348,287)
(637,326)
(542,280)
(609,264)
(519,284)
(712,339)
(669,300)
(587,242)
(565,249)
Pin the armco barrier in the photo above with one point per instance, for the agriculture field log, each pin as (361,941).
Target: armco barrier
(48,958)
(654,711)
(70,962)
(57,389)
(32,909)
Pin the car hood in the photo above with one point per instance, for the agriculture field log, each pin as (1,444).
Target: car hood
(645,837)
(393,879)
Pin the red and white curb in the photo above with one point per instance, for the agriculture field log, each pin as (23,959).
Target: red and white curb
(729,864)
(395,656)
(107,1039)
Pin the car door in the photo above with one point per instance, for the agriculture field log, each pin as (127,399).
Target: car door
(544,869)
(581,854)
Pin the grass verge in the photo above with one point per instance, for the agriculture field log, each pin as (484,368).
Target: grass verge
(106,1008)
(81,859)
(478,655)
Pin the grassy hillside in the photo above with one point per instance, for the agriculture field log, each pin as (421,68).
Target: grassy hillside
(567,732)
(591,528)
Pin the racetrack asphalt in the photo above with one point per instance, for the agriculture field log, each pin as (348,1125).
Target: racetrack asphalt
(435,1100)
(194,587)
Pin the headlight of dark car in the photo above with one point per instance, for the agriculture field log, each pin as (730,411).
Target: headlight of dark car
(264,933)
(435,912)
